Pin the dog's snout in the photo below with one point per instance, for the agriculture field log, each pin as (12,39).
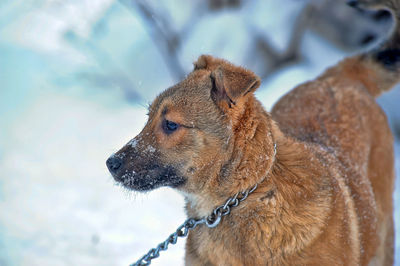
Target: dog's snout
(113,164)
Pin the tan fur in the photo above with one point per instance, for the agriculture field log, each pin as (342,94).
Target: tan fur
(324,198)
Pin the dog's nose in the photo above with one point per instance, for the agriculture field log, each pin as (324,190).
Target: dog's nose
(113,164)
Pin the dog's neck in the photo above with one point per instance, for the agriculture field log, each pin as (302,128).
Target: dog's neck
(250,162)
(253,150)
(282,179)
(289,193)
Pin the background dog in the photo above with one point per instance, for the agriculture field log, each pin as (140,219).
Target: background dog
(325,197)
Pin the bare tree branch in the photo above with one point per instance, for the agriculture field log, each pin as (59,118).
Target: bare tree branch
(276,60)
(168,40)
(114,74)
(162,36)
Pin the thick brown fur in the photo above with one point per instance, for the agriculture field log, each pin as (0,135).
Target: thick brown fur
(324,198)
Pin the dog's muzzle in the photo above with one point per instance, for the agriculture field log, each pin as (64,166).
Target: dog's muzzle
(142,175)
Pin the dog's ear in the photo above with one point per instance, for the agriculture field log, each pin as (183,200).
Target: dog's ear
(229,83)
(202,62)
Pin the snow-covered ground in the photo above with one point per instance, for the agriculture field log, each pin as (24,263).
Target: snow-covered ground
(58,203)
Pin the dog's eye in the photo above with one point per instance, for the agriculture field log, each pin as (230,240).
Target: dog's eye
(169,126)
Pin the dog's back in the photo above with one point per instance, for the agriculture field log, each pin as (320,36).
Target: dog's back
(338,113)
(341,117)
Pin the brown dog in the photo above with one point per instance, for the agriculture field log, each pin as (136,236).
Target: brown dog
(324,198)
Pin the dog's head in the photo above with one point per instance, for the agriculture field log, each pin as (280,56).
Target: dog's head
(191,129)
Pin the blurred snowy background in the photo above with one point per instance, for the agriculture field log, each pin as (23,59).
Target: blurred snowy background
(75,79)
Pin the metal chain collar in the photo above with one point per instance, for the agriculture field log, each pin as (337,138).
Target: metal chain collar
(210,221)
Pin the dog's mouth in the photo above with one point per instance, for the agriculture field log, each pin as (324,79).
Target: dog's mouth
(148,178)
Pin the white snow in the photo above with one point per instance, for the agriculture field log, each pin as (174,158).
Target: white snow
(133,143)
(59,204)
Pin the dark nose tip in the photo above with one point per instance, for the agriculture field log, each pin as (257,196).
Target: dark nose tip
(113,164)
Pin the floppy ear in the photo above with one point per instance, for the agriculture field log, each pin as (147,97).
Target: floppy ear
(231,82)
